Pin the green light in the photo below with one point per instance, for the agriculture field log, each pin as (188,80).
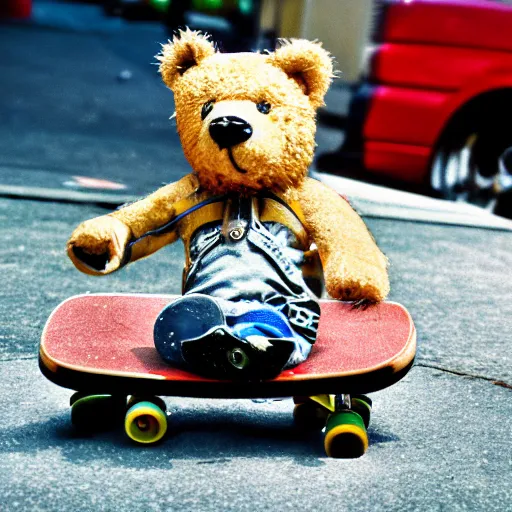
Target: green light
(207,5)
(160,5)
(245,6)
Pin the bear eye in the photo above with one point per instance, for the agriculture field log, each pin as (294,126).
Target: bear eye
(207,108)
(263,107)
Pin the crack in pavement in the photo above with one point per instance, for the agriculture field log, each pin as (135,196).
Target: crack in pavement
(11,359)
(463,374)
(55,195)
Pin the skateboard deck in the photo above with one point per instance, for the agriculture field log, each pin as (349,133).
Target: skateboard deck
(104,344)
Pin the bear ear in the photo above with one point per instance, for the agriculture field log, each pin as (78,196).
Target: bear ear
(186,50)
(308,64)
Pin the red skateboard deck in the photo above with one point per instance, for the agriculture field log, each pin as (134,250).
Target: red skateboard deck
(104,344)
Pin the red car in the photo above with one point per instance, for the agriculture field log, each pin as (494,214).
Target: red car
(436,106)
(16,9)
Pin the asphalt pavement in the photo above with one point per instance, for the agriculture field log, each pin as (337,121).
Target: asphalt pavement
(440,439)
(63,102)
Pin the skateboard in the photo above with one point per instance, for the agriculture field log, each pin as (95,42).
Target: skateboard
(102,347)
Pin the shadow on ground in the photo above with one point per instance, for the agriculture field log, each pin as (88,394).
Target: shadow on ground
(192,434)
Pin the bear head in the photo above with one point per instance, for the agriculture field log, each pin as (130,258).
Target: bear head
(246,121)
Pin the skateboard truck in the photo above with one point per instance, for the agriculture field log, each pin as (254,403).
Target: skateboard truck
(343,402)
(344,418)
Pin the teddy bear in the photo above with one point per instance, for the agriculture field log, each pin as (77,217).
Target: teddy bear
(251,220)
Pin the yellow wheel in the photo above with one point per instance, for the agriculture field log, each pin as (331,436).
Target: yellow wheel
(345,436)
(156,400)
(145,423)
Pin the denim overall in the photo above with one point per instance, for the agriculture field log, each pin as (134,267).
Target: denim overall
(252,271)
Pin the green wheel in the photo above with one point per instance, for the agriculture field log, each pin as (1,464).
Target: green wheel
(310,416)
(345,435)
(363,406)
(145,423)
(76,396)
(96,413)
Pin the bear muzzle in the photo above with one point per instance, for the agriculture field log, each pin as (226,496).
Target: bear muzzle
(229,131)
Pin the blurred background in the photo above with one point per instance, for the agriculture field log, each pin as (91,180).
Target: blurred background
(423,103)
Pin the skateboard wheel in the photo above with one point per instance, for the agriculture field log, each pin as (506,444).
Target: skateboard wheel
(96,412)
(145,423)
(134,399)
(345,435)
(363,406)
(76,396)
(309,416)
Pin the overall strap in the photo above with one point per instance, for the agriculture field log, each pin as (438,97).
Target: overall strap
(199,209)
(182,209)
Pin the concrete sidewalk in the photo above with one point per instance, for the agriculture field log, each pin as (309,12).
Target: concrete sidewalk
(66,107)
(383,202)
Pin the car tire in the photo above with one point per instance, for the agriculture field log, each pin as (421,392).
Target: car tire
(466,167)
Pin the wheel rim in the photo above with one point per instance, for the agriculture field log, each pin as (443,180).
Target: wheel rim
(457,176)
(505,171)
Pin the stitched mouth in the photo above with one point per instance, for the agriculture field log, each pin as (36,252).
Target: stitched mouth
(233,162)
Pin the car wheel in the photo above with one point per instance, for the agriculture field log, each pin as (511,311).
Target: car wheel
(504,202)
(471,169)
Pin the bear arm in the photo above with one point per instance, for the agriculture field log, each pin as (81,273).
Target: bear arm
(98,246)
(354,267)
(157,209)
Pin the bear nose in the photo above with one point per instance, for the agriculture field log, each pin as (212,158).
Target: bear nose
(229,131)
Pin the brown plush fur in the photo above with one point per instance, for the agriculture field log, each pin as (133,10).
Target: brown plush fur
(293,81)
(354,268)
